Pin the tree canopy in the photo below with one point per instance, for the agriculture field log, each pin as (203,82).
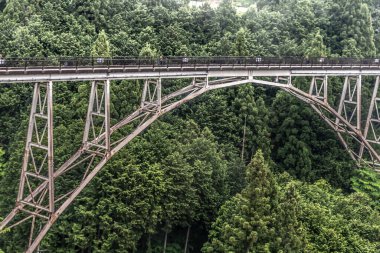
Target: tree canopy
(244,169)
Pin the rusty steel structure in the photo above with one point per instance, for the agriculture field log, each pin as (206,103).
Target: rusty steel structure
(42,196)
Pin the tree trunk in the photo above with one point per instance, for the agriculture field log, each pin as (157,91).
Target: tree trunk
(187,238)
(242,149)
(165,241)
(149,245)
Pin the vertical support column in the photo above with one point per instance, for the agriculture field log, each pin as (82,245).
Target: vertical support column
(359,102)
(38,163)
(36,195)
(151,99)
(325,90)
(350,105)
(350,108)
(107,114)
(312,85)
(145,90)
(370,114)
(97,131)
(20,195)
(49,94)
(319,89)
(89,112)
(159,95)
(342,98)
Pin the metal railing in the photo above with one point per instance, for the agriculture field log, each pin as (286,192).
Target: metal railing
(185,61)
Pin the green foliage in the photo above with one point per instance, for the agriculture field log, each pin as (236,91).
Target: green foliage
(182,170)
(314,46)
(172,248)
(352,22)
(172,40)
(291,234)
(2,164)
(124,44)
(2,173)
(241,43)
(306,218)
(367,181)
(148,51)
(300,143)
(101,46)
(163,181)
(336,222)
(250,221)
(350,48)
(227,18)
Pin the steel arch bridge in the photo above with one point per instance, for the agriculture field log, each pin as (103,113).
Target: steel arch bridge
(41,200)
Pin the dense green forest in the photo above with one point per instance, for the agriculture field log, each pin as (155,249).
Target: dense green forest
(245,169)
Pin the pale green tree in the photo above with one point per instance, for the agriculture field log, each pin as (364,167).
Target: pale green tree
(101,47)
(241,43)
(148,51)
(314,45)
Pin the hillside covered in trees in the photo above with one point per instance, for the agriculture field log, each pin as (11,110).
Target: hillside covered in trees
(245,169)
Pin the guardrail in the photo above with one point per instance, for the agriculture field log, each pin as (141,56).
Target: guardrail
(69,62)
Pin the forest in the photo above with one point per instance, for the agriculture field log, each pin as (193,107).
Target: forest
(243,169)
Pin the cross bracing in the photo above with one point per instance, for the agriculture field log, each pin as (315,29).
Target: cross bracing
(40,200)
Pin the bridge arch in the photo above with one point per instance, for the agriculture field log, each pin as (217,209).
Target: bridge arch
(44,203)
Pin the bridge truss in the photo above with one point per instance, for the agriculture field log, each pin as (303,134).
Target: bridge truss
(43,196)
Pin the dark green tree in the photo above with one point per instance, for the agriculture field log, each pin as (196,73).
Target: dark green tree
(2,164)
(226,15)
(245,224)
(352,20)
(291,235)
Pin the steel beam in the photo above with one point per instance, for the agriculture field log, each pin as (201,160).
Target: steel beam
(49,91)
(371,109)
(28,141)
(170,73)
(359,102)
(37,166)
(342,98)
(89,112)
(107,113)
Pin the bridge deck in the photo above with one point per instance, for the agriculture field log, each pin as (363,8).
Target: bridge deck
(27,70)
